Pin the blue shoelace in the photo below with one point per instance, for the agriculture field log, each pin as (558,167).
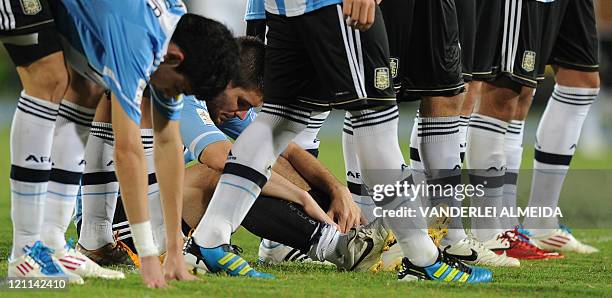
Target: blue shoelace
(42,255)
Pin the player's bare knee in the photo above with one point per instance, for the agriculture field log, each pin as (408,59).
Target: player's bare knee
(575,78)
(46,78)
(83,91)
(440,106)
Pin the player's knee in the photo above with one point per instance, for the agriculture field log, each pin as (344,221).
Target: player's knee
(87,92)
(580,79)
(46,78)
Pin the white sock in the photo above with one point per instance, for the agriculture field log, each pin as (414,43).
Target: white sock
(381,161)
(353,172)
(307,139)
(463,126)
(439,142)
(486,161)
(513,148)
(71,132)
(30,142)
(247,169)
(154,197)
(99,189)
(326,246)
(556,139)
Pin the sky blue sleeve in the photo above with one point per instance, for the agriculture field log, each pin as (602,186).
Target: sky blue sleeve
(235,126)
(255,10)
(197,128)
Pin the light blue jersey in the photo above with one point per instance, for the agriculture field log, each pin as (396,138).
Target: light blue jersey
(123,43)
(292,8)
(255,10)
(199,131)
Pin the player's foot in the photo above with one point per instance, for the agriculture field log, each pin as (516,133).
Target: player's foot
(446,268)
(473,252)
(562,240)
(392,258)
(438,227)
(73,261)
(175,268)
(360,249)
(515,244)
(151,272)
(274,253)
(219,259)
(111,254)
(38,261)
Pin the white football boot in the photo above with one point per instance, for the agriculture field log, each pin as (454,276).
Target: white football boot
(77,263)
(561,240)
(38,261)
(473,252)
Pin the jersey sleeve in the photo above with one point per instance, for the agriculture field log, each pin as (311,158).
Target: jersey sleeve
(235,126)
(197,128)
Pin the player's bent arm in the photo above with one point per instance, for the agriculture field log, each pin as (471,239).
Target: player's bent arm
(169,169)
(312,170)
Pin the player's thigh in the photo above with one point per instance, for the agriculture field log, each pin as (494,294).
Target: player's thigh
(289,70)
(577,43)
(430,63)
(352,66)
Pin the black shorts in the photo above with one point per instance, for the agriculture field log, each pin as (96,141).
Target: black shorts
(317,62)
(256,28)
(424,45)
(570,36)
(27,30)
(508,35)
(466,18)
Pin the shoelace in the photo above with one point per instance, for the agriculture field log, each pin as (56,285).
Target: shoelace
(524,237)
(565,228)
(237,250)
(475,243)
(42,256)
(455,263)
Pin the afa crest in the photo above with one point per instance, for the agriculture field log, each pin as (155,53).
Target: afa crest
(382,80)
(529,61)
(31,7)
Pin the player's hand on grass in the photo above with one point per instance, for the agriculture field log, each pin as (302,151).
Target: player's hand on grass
(343,210)
(151,272)
(174,265)
(359,14)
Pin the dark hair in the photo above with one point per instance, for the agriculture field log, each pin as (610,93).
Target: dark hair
(252,54)
(211,54)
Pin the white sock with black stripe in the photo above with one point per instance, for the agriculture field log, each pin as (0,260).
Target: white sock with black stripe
(353,172)
(439,151)
(99,189)
(30,142)
(486,162)
(556,139)
(513,148)
(382,162)
(247,169)
(307,139)
(71,132)
(464,121)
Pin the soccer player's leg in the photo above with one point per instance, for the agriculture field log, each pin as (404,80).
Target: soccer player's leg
(575,58)
(30,39)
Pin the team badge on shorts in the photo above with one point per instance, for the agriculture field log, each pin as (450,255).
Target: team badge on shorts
(31,7)
(529,61)
(381,78)
(394,67)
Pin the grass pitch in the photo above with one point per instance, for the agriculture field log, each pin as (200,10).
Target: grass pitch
(576,275)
